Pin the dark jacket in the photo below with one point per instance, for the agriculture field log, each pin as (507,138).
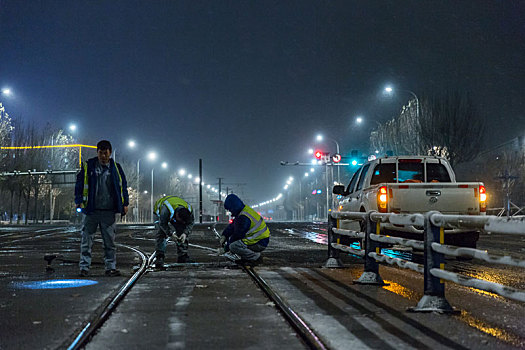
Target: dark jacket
(121,199)
(241,224)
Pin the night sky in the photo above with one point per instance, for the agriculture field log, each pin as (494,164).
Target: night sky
(246,84)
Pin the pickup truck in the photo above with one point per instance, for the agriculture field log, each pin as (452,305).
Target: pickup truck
(413,184)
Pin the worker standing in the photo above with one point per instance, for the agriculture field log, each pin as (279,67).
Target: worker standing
(247,236)
(177,212)
(101,192)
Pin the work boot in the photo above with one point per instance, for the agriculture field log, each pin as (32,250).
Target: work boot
(241,262)
(258,261)
(159,263)
(112,273)
(255,262)
(181,259)
(84,273)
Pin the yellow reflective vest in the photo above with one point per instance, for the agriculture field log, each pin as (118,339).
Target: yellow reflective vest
(171,202)
(258,229)
(85,192)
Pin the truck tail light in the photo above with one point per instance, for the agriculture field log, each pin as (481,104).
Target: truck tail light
(482,199)
(382,199)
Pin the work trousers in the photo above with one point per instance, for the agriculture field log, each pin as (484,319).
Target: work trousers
(106,220)
(247,252)
(162,239)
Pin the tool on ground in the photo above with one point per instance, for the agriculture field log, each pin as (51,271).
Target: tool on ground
(229,255)
(49,257)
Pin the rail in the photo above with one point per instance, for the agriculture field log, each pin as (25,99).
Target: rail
(433,269)
(91,327)
(301,327)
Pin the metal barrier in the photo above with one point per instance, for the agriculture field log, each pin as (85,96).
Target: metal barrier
(433,224)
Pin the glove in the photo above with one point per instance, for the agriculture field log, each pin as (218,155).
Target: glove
(182,238)
(222,240)
(220,251)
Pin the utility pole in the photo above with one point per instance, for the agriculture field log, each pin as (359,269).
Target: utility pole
(220,186)
(506,180)
(200,190)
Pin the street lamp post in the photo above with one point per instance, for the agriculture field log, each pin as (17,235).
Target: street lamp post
(320,138)
(152,156)
(390,90)
(164,165)
(132,144)
(138,189)
(151,211)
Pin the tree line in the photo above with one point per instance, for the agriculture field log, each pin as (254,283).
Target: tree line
(21,195)
(29,197)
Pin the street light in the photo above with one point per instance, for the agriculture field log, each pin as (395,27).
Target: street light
(72,127)
(6,91)
(151,156)
(164,165)
(390,90)
(359,120)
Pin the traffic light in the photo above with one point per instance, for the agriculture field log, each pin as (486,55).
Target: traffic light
(318,154)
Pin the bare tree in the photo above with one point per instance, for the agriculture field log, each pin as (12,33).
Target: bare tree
(452,122)
(402,134)
(448,125)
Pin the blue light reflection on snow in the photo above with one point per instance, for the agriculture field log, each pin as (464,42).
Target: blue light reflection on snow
(53,284)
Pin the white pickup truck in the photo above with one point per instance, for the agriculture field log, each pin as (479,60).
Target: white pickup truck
(413,184)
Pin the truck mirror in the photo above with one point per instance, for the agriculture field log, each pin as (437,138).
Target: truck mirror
(339,189)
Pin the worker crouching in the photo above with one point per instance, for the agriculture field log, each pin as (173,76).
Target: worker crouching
(247,236)
(177,212)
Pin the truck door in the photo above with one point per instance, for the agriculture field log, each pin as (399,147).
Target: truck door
(350,198)
(358,193)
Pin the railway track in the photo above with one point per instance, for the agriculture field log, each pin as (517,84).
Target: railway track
(87,332)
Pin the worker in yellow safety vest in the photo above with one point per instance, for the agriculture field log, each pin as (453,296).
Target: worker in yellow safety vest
(177,212)
(247,235)
(101,192)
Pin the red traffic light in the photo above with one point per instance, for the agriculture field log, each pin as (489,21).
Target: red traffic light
(318,154)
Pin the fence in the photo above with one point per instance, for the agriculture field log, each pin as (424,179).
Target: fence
(435,275)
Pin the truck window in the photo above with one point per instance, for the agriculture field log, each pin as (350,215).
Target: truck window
(437,173)
(410,172)
(385,172)
(362,177)
(351,185)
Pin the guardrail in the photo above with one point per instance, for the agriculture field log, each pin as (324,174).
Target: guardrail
(435,275)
